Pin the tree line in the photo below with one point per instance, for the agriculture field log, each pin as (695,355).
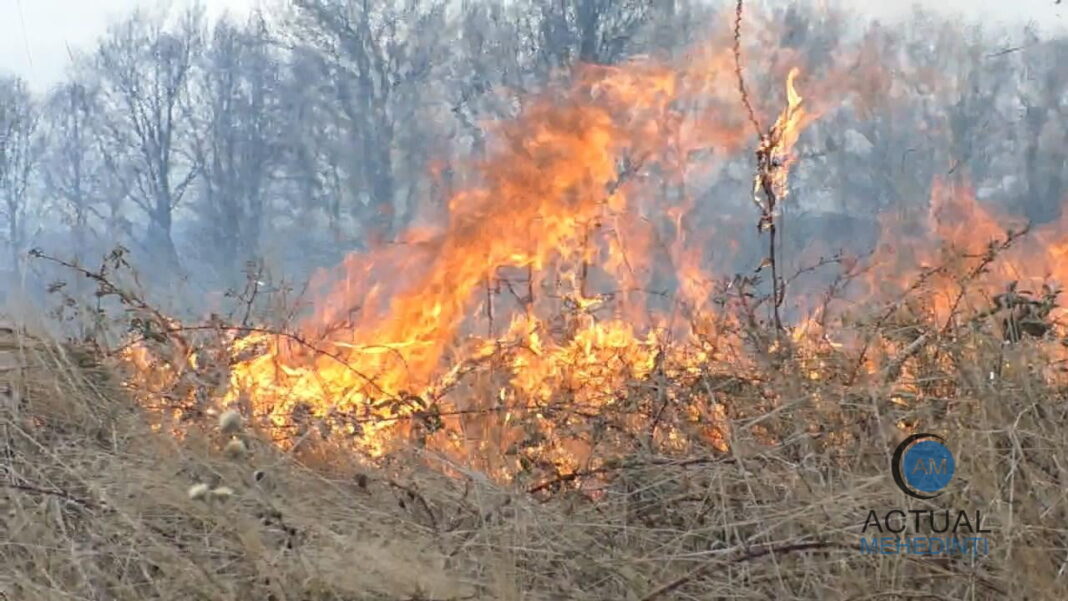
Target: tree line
(323,127)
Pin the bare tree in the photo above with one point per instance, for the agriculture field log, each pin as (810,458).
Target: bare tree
(589,31)
(234,106)
(19,152)
(368,54)
(144,72)
(73,170)
(1042,90)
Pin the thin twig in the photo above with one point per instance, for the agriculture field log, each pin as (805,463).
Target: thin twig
(55,493)
(267,331)
(614,466)
(893,369)
(737,49)
(108,287)
(744,556)
(991,255)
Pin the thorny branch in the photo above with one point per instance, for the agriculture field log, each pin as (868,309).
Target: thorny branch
(988,257)
(893,368)
(737,49)
(55,493)
(613,466)
(741,556)
(768,165)
(299,340)
(105,287)
(174,333)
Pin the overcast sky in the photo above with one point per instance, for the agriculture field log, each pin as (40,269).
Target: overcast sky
(35,34)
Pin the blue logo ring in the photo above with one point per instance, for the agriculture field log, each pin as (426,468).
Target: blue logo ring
(923,466)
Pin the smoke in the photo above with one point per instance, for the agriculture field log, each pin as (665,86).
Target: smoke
(1047,15)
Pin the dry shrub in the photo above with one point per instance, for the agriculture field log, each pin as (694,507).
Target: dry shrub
(95,502)
(95,506)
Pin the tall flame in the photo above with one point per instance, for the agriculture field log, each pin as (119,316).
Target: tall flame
(558,225)
(559,281)
(793,118)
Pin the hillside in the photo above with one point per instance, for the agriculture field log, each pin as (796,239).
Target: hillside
(581,300)
(96,505)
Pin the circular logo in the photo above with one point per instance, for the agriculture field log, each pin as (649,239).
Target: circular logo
(922,465)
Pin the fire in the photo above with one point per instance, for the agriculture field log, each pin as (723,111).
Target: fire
(544,293)
(542,262)
(950,244)
(779,144)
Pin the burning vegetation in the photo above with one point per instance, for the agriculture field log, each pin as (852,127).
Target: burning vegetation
(564,314)
(570,382)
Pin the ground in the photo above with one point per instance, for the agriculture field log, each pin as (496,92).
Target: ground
(96,505)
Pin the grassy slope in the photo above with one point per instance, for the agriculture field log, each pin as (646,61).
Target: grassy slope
(94,505)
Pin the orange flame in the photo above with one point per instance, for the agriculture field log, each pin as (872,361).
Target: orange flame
(553,228)
(547,280)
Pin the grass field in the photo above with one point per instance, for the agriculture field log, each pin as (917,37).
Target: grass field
(596,328)
(97,504)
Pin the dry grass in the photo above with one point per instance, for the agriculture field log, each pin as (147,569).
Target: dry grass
(95,504)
